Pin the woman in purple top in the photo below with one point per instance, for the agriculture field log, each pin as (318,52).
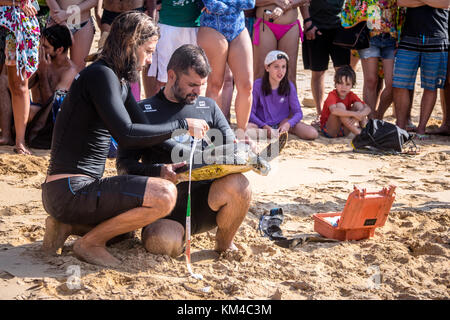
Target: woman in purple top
(275,105)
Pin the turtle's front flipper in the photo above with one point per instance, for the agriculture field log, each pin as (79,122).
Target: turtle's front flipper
(274,149)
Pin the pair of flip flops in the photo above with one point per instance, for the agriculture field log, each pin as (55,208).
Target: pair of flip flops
(269,226)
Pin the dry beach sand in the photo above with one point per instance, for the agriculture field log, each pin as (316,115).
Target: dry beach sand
(408,258)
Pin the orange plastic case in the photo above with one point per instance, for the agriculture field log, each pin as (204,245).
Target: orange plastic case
(363,212)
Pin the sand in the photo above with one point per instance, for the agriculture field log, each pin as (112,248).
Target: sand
(408,258)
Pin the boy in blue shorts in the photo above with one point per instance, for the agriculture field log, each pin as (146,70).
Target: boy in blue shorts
(423,46)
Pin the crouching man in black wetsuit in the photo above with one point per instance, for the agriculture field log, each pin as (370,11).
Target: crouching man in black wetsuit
(221,203)
(100,104)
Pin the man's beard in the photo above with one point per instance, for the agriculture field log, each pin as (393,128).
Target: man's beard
(178,95)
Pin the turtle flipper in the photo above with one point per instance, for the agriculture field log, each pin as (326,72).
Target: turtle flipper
(276,147)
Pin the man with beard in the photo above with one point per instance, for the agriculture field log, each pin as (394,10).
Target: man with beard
(228,198)
(76,195)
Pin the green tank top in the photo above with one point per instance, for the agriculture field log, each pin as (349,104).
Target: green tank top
(181,13)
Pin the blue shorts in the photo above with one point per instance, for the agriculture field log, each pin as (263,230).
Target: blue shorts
(433,69)
(340,134)
(381,46)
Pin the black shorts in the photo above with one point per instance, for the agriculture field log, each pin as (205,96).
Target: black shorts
(3,32)
(85,200)
(203,218)
(109,16)
(316,52)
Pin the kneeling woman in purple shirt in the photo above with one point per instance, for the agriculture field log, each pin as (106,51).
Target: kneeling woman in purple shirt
(275,105)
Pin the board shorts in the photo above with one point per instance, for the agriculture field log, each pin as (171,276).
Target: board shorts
(171,39)
(433,69)
(90,201)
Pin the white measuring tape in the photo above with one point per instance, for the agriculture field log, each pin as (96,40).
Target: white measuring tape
(188,217)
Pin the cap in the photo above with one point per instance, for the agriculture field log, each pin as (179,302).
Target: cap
(275,55)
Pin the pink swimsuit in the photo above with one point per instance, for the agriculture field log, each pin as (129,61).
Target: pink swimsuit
(279,30)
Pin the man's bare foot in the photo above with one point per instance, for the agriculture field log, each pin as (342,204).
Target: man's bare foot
(94,254)
(221,248)
(56,233)
(443,130)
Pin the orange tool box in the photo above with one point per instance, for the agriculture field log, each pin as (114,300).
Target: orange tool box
(363,212)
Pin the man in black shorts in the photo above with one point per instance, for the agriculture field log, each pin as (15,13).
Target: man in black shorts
(321,21)
(221,203)
(100,105)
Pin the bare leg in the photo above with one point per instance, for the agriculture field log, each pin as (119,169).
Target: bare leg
(267,43)
(387,96)
(241,65)
(216,48)
(5,112)
(304,131)
(370,71)
(401,104)
(56,233)
(289,44)
(82,41)
(426,108)
(445,104)
(335,123)
(230,196)
(318,88)
(159,200)
(20,97)
(226,95)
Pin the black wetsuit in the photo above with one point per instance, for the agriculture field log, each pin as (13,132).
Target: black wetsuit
(157,110)
(97,104)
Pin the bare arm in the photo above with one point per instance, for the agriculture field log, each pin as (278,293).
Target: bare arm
(343,113)
(8,3)
(87,5)
(150,5)
(440,4)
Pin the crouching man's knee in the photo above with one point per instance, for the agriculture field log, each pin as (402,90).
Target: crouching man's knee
(160,194)
(164,237)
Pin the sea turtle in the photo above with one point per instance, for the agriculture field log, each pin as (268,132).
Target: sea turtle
(232,158)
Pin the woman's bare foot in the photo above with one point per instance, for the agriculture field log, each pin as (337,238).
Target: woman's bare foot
(21,149)
(56,233)
(94,254)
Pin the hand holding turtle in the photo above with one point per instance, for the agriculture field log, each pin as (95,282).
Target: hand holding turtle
(168,171)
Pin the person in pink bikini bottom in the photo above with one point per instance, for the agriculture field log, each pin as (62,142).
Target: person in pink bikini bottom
(277,28)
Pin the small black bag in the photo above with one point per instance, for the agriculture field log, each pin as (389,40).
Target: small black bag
(356,37)
(382,137)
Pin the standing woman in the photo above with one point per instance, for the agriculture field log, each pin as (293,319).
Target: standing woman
(18,21)
(76,15)
(384,19)
(224,38)
(277,28)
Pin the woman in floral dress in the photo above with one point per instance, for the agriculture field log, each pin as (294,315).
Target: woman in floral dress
(20,32)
